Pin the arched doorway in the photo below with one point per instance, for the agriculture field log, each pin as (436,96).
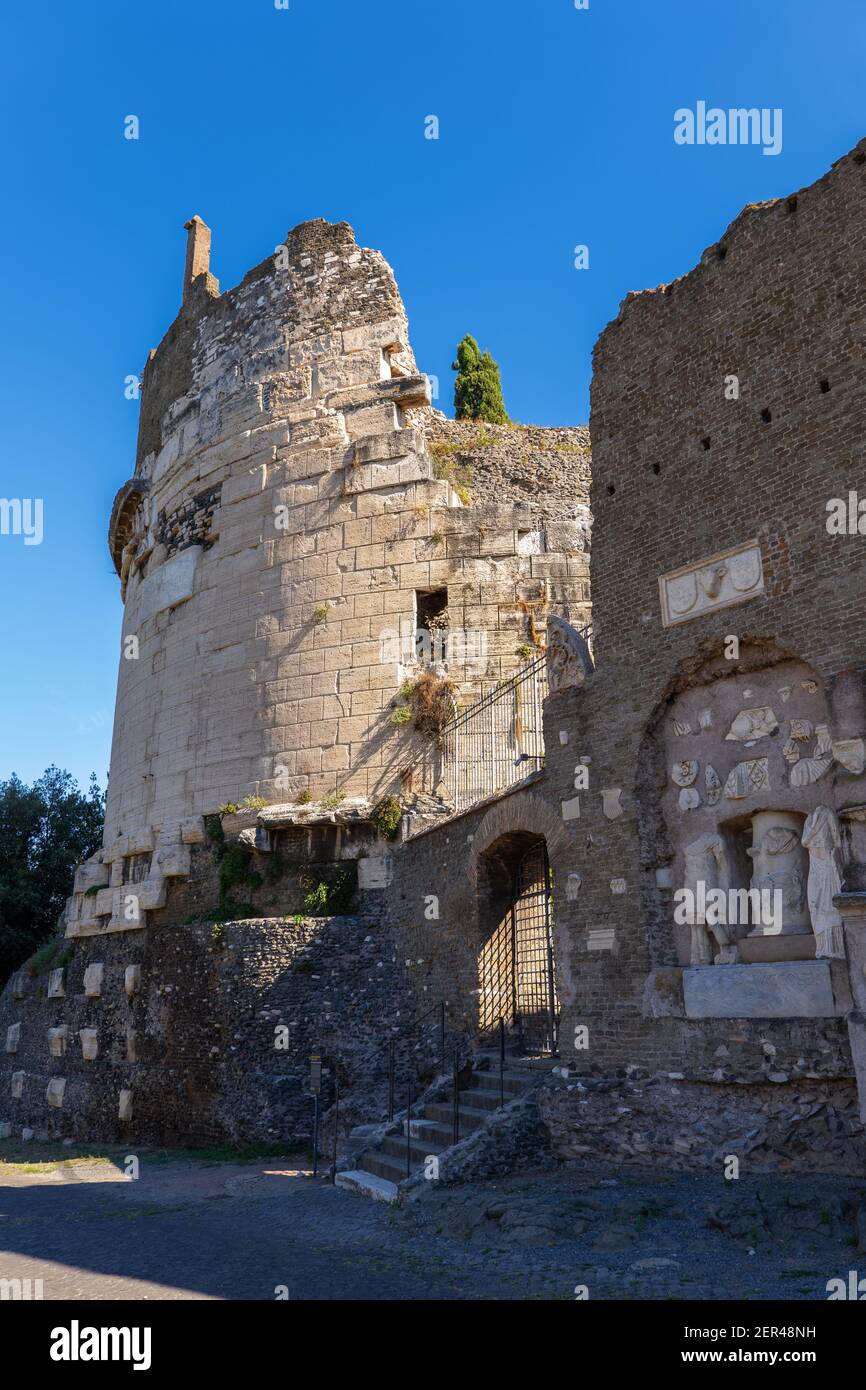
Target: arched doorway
(516,975)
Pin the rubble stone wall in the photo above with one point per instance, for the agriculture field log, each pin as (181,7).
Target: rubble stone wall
(213,1043)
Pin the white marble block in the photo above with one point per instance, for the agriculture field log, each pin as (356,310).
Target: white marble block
(55,1090)
(783,989)
(56,985)
(93,981)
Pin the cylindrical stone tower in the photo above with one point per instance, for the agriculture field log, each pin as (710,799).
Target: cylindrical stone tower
(284,533)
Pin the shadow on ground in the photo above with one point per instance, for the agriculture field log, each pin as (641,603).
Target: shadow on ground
(208,1225)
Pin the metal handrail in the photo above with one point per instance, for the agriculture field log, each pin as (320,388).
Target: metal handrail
(491,745)
(455,1083)
(496,693)
(459,1047)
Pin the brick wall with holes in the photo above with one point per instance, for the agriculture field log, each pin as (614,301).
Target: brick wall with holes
(685,467)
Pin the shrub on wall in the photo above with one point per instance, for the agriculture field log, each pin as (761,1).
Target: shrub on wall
(386,817)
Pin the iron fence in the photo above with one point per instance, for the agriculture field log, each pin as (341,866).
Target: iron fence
(488,747)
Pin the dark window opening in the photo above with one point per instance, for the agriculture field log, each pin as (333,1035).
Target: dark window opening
(766,416)
(136,868)
(431,622)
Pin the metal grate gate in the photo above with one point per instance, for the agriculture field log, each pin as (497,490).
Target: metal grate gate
(536,1004)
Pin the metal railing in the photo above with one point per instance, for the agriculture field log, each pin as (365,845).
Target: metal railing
(488,747)
(455,1080)
(461,1049)
(458,1051)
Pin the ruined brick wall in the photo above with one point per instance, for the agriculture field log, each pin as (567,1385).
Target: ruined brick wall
(680,475)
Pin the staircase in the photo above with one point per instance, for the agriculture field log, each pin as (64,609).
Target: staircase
(383,1166)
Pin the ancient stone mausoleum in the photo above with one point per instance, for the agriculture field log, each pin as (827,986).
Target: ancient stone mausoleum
(638,848)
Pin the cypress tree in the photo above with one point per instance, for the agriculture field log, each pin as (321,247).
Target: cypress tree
(478,389)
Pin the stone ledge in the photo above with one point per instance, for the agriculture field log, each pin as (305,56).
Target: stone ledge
(349,812)
(368,1185)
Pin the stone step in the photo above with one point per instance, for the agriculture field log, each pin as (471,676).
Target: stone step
(367,1184)
(518,1063)
(384,1165)
(438,1129)
(512,1082)
(470,1118)
(481,1099)
(432,1134)
(395,1144)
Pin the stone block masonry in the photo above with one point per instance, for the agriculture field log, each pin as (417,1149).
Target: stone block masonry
(286,521)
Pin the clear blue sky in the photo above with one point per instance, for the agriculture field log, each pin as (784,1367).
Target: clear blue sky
(556,129)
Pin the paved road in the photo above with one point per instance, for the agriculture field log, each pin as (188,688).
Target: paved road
(188,1231)
(191,1229)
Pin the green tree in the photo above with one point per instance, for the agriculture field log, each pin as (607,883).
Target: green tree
(45,830)
(477,390)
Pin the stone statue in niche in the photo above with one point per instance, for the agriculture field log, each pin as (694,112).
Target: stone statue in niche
(822,839)
(706,862)
(779,862)
(568,657)
(750,724)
